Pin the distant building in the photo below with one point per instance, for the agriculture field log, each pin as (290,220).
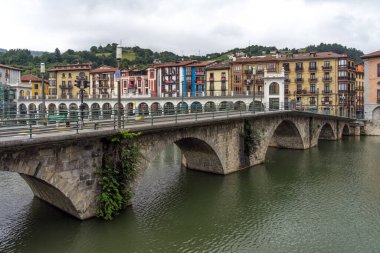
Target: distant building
(196,78)
(359,89)
(138,82)
(217,79)
(103,83)
(33,86)
(171,78)
(62,79)
(318,82)
(372,86)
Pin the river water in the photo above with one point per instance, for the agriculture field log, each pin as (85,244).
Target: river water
(326,199)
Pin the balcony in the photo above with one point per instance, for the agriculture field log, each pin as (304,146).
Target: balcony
(223,78)
(300,68)
(200,73)
(248,72)
(327,79)
(342,66)
(211,79)
(259,81)
(312,68)
(66,86)
(287,92)
(299,80)
(313,80)
(343,78)
(326,102)
(287,80)
(327,67)
(287,70)
(260,71)
(327,92)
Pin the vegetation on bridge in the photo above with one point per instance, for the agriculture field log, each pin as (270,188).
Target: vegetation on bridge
(252,138)
(119,168)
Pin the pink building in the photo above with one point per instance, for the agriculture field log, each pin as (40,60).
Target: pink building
(138,82)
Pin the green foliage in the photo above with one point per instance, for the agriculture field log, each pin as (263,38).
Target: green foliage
(119,168)
(252,138)
(29,61)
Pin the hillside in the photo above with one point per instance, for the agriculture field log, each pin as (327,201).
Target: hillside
(29,61)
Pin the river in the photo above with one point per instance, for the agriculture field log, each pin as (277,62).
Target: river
(326,199)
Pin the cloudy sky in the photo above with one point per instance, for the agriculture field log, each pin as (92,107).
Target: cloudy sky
(188,27)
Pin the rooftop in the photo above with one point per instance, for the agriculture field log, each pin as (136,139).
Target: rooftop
(9,67)
(201,64)
(104,69)
(221,65)
(291,57)
(31,78)
(371,55)
(173,64)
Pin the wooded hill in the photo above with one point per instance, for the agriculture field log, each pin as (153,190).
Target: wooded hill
(29,61)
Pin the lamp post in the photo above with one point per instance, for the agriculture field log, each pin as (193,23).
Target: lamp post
(42,70)
(119,55)
(254,92)
(82,83)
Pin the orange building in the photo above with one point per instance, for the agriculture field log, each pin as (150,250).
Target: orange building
(372,86)
(359,90)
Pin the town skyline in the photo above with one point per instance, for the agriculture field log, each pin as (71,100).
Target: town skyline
(195,28)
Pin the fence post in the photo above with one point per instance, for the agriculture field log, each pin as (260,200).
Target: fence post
(30,129)
(176,114)
(77,126)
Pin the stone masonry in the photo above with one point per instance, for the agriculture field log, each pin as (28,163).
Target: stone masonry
(61,170)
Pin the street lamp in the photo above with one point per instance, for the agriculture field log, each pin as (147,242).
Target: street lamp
(82,83)
(119,55)
(343,98)
(254,82)
(42,70)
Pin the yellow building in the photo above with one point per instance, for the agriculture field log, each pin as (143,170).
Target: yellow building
(217,79)
(35,84)
(62,79)
(321,82)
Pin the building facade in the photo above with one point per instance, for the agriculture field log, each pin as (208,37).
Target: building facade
(138,82)
(217,79)
(372,86)
(103,83)
(62,79)
(359,89)
(34,85)
(318,82)
(196,78)
(173,79)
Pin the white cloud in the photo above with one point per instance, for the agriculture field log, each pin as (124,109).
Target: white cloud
(188,26)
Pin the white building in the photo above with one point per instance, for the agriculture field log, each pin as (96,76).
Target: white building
(274,90)
(12,76)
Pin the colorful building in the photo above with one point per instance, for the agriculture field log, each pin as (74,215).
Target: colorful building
(217,79)
(173,78)
(359,89)
(372,86)
(62,79)
(139,82)
(321,82)
(196,78)
(103,83)
(35,86)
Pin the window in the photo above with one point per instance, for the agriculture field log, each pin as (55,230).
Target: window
(342,73)
(69,83)
(313,65)
(327,88)
(36,86)
(342,87)
(299,66)
(237,79)
(299,76)
(63,75)
(271,67)
(378,83)
(69,75)
(286,66)
(378,70)
(312,101)
(237,68)
(378,96)
(326,64)
(211,75)
(312,77)
(312,88)
(274,89)
(342,63)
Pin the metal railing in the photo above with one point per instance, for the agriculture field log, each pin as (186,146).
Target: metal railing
(73,122)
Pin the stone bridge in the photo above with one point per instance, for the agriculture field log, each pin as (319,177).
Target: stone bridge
(61,169)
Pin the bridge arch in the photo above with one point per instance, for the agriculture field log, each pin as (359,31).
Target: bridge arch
(326,132)
(183,108)
(62,109)
(240,106)
(52,109)
(196,107)
(210,107)
(376,114)
(197,154)
(286,134)
(73,110)
(107,110)
(169,108)
(345,130)
(143,108)
(95,111)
